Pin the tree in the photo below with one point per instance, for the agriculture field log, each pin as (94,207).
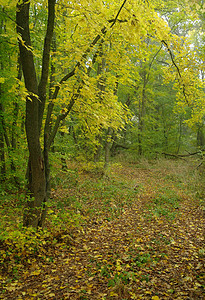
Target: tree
(10,88)
(35,102)
(82,30)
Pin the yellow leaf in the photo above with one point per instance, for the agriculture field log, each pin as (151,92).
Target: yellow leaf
(155,298)
(91,278)
(113,294)
(51,295)
(118,268)
(10,288)
(36,272)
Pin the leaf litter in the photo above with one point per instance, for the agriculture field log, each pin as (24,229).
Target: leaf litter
(139,238)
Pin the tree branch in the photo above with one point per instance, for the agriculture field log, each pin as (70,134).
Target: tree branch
(115,20)
(46,58)
(150,64)
(87,51)
(63,116)
(177,68)
(71,73)
(181,155)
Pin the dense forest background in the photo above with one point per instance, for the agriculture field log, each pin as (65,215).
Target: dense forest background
(89,88)
(133,84)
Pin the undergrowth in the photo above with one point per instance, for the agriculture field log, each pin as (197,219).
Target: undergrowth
(79,197)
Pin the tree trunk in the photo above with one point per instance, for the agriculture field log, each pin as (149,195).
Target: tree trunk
(98,149)
(36,175)
(180,135)
(108,143)
(2,146)
(2,149)
(34,214)
(37,167)
(142,104)
(200,136)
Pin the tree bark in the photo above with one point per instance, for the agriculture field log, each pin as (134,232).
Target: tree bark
(34,214)
(45,61)
(2,149)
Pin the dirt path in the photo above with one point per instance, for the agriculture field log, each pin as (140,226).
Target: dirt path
(151,249)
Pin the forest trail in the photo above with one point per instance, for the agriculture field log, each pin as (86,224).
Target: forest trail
(143,239)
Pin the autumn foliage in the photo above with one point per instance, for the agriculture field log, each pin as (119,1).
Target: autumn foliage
(102,144)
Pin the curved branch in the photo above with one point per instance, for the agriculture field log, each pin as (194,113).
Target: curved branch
(177,68)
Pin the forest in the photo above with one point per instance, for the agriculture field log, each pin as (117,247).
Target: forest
(102,144)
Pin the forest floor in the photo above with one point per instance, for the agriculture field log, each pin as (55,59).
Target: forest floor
(136,233)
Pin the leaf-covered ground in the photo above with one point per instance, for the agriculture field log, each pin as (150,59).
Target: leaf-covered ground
(136,233)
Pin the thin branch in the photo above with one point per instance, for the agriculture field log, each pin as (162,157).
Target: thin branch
(172,57)
(120,21)
(153,58)
(6,14)
(163,62)
(177,68)
(63,116)
(115,20)
(150,64)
